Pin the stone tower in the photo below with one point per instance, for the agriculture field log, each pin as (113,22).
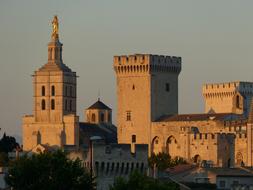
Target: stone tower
(231,97)
(54,122)
(250,136)
(147,89)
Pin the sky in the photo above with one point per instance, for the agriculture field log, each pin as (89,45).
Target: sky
(213,37)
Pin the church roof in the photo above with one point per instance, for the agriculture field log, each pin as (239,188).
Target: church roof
(99,105)
(107,132)
(201,117)
(51,66)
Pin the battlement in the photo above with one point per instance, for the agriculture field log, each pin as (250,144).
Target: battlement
(229,88)
(146,63)
(210,136)
(204,136)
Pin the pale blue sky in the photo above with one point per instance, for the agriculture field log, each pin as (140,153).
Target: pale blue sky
(213,37)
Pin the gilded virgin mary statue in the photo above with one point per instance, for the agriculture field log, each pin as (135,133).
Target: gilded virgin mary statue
(55,25)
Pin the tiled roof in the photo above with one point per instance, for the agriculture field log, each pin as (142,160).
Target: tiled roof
(99,105)
(201,117)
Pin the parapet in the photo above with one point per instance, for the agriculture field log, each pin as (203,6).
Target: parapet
(146,63)
(228,88)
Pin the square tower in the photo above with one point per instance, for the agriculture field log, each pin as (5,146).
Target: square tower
(54,121)
(147,89)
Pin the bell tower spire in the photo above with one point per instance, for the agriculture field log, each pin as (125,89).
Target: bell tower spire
(55,46)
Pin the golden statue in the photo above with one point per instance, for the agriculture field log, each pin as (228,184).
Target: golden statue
(55,25)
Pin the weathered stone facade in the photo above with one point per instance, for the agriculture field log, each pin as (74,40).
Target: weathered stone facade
(109,161)
(147,90)
(231,97)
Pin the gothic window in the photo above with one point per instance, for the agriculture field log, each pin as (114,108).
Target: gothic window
(128,115)
(102,117)
(237,101)
(70,105)
(93,117)
(70,91)
(43,91)
(43,104)
(133,138)
(66,91)
(167,86)
(52,91)
(52,104)
(66,105)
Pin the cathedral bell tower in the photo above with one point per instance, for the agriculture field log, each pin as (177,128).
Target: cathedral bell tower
(54,122)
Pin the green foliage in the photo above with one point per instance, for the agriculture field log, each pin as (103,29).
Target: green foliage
(138,181)
(8,144)
(163,161)
(51,171)
(4,159)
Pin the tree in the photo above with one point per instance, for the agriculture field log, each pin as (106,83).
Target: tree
(138,181)
(163,161)
(8,144)
(51,171)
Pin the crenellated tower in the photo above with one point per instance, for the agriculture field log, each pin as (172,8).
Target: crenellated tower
(54,122)
(147,89)
(231,97)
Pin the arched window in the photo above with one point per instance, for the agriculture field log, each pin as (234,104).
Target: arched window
(43,91)
(93,117)
(43,104)
(52,90)
(70,105)
(102,117)
(66,105)
(70,91)
(237,101)
(66,91)
(52,104)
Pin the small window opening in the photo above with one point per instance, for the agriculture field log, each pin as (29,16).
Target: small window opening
(167,87)
(128,116)
(53,91)
(133,138)
(52,104)
(102,117)
(43,104)
(93,117)
(43,91)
